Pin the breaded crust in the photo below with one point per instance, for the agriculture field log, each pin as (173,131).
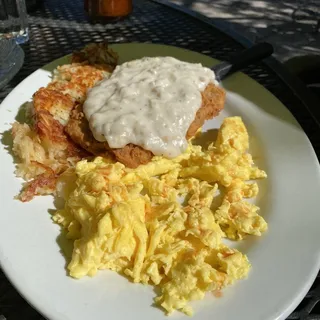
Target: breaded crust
(78,130)
(56,103)
(213,98)
(51,132)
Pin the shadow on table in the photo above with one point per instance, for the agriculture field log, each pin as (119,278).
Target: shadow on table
(293,26)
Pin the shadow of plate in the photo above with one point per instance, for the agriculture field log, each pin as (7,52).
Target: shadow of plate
(23,116)
(66,248)
(205,138)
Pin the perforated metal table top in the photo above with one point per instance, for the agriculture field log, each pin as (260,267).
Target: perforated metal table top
(60,27)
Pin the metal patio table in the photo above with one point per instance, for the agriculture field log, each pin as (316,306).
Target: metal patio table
(59,27)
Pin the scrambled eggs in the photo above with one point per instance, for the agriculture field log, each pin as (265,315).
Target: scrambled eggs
(160,224)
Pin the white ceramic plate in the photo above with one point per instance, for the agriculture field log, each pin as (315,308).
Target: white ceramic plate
(285,260)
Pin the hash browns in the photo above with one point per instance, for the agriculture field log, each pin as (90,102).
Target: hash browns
(43,148)
(57,104)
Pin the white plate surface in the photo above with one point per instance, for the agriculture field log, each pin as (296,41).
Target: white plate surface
(285,260)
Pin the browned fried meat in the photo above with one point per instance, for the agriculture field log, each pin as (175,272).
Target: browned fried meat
(79,131)
(213,99)
(51,133)
(132,156)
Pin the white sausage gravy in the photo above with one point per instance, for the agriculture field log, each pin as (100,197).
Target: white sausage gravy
(149,102)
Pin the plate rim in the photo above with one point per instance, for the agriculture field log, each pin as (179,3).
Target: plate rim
(298,297)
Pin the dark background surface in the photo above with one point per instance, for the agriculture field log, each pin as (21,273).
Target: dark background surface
(59,27)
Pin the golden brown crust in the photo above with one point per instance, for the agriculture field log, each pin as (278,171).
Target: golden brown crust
(43,184)
(82,74)
(78,130)
(132,155)
(52,133)
(213,99)
(76,91)
(59,105)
